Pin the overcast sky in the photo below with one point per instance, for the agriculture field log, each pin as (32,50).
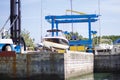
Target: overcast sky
(31,15)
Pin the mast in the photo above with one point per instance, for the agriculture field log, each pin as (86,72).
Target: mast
(71,6)
(99,22)
(41,20)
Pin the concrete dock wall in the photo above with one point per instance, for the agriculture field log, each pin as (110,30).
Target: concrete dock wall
(78,63)
(107,63)
(45,66)
(32,65)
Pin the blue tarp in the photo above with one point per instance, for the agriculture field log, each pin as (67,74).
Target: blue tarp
(117,41)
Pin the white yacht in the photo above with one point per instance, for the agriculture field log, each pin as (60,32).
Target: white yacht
(105,44)
(105,47)
(57,41)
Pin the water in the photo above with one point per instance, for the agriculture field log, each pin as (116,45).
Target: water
(98,76)
(95,76)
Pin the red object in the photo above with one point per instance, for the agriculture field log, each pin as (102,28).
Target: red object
(7,54)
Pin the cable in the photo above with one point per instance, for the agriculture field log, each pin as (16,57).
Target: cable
(4,24)
(13,23)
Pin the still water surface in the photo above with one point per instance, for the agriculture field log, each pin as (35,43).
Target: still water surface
(98,76)
(95,76)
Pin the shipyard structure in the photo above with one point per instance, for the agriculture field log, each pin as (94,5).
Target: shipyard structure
(59,60)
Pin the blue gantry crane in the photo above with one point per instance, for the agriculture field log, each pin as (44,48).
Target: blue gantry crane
(84,18)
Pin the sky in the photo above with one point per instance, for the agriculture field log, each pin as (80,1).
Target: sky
(32,19)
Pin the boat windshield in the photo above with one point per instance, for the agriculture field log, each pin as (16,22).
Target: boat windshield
(60,33)
(57,40)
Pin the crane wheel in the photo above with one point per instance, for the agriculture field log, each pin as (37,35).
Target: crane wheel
(8,48)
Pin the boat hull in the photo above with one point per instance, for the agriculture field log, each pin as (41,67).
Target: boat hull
(55,45)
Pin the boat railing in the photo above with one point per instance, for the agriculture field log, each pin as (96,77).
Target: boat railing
(50,35)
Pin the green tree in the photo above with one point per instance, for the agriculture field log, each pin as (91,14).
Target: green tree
(111,37)
(28,40)
(75,35)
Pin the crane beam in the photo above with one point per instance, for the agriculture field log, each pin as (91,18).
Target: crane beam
(75,11)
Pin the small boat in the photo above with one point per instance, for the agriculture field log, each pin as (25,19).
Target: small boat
(105,47)
(105,44)
(57,42)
